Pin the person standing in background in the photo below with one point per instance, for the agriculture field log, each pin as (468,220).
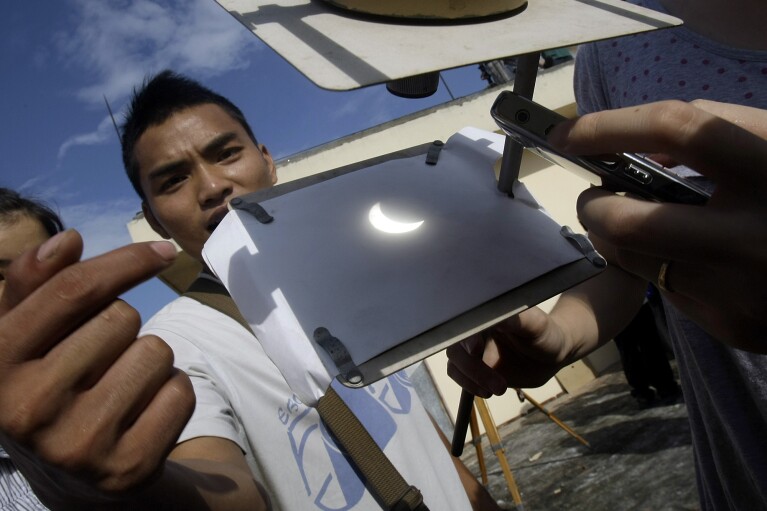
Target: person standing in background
(719,54)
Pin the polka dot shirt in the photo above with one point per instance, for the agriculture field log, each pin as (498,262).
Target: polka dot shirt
(673,63)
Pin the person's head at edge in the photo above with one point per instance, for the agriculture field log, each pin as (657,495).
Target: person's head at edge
(187,152)
(24,224)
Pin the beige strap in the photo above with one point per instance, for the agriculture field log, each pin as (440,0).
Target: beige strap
(382,476)
(214,295)
(392,489)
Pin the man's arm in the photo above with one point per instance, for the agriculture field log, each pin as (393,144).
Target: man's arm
(479,497)
(219,473)
(528,349)
(715,254)
(90,412)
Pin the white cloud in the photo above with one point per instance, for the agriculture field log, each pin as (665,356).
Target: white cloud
(30,184)
(120,42)
(48,187)
(101,224)
(103,132)
(368,102)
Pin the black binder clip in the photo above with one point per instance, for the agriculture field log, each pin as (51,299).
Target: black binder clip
(583,244)
(340,355)
(254,208)
(432,155)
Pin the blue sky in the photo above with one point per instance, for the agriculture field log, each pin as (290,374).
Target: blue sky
(58,59)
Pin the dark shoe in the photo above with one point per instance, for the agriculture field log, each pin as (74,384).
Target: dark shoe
(668,397)
(645,397)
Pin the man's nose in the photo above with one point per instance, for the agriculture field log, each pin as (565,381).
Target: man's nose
(213,184)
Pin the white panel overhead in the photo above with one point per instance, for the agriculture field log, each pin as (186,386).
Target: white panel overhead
(338,50)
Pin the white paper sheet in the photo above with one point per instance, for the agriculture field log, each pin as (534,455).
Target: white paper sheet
(321,263)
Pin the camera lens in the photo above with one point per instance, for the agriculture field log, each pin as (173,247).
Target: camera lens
(522,116)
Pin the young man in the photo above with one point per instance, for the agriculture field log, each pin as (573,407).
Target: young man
(188,152)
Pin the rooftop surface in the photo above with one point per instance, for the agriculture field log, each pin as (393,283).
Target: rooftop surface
(640,459)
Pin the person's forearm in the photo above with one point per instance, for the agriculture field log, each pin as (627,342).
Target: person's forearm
(478,495)
(205,484)
(184,484)
(593,312)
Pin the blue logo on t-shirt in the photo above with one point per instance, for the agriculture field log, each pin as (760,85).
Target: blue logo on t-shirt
(328,476)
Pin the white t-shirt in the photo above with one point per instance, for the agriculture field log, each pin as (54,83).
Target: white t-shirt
(241,396)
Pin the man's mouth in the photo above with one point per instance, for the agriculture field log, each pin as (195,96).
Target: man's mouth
(216,219)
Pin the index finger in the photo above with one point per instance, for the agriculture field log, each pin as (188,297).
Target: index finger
(690,135)
(747,117)
(40,264)
(668,231)
(75,294)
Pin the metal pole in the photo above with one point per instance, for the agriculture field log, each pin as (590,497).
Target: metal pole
(524,85)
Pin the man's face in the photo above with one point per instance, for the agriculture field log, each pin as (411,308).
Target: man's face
(191,166)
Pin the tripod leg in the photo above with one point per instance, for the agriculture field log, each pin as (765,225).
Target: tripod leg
(476,439)
(497,447)
(554,419)
(462,423)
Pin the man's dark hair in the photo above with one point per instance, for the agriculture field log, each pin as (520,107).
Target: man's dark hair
(13,206)
(158,99)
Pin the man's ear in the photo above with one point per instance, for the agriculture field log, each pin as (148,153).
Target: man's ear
(153,223)
(269,163)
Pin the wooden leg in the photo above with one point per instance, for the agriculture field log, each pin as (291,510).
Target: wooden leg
(555,419)
(476,439)
(497,447)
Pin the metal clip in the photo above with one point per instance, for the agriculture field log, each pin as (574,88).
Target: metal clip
(340,355)
(433,154)
(254,208)
(583,244)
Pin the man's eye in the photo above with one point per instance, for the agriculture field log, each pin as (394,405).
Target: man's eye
(171,182)
(227,153)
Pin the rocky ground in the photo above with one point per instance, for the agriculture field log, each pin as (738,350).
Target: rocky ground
(640,459)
